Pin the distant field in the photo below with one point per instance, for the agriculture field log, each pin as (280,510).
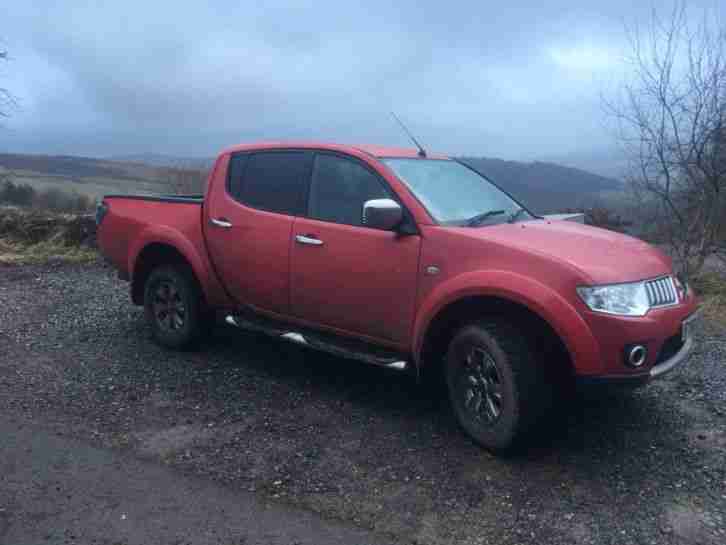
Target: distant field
(89,176)
(93,186)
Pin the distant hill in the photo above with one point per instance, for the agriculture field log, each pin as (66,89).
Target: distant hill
(77,167)
(611,163)
(542,186)
(545,187)
(59,165)
(170,161)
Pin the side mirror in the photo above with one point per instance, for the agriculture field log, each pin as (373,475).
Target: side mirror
(382,214)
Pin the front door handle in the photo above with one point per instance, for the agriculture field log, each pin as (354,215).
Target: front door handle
(221,222)
(308,239)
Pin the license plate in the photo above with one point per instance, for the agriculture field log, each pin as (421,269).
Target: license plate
(688,326)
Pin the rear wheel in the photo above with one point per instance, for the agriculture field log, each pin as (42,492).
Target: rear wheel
(496,386)
(174,307)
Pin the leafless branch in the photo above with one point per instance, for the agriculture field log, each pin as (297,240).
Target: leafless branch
(671,120)
(7,101)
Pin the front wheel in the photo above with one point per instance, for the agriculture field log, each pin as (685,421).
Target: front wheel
(174,307)
(495,384)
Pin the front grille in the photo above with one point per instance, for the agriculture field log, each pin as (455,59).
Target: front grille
(661,292)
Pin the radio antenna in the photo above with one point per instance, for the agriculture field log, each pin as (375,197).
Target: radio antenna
(421,151)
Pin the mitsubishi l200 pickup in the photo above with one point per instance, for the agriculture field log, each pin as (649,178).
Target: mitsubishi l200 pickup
(409,261)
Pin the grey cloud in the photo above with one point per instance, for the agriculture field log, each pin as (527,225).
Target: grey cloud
(470,77)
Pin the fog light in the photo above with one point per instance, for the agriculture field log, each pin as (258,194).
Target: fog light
(635,355)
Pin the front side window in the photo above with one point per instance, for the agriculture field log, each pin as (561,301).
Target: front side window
(273,181)
(339,188)
(454,194)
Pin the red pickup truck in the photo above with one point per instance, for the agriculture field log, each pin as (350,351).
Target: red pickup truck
(408,261)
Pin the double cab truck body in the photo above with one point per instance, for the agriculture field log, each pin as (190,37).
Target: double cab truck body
(406,260)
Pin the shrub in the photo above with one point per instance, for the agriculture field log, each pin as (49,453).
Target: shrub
(51,199)
(34,236)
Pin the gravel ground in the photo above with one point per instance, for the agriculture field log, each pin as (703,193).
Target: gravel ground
(360,444)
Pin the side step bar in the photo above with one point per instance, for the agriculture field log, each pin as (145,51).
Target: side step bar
(325,343)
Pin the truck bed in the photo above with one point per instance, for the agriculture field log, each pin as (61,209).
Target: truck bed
(139,220)
(193,198)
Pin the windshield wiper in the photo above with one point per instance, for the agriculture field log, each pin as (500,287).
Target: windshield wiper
(514,215)
(480,218)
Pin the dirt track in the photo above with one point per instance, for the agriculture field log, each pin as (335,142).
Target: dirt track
(356,444)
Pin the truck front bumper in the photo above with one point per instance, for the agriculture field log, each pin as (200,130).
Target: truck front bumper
(673,353)
(674,361)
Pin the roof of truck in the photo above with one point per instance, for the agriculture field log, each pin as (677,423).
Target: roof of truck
(374,150)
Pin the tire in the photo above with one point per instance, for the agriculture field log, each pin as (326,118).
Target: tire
(174,307)
(496,386)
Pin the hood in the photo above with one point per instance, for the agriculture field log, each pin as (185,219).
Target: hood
(600,255)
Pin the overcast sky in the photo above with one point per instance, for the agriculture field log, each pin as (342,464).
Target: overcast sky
(513,79)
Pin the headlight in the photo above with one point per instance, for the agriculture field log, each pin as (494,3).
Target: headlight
(623,299)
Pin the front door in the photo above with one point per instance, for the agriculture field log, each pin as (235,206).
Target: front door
(346,276)
(250,224)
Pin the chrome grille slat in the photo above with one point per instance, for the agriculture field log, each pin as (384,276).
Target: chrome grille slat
(661,292)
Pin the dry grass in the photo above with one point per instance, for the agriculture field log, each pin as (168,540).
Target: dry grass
(32,237)
(711,287)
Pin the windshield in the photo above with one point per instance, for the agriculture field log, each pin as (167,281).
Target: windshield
(454,194)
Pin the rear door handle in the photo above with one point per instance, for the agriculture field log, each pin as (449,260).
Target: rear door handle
(221,222)
(308,239)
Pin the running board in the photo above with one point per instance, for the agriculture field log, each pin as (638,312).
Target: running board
(326,343)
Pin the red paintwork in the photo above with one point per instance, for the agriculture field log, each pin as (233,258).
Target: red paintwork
(362,280)
(135,224)
(253,256)
(374,284)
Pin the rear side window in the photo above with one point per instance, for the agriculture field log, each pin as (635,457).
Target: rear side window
(339,188)
(235,171)
(273,181)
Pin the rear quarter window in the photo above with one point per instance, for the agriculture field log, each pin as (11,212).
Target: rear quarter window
(275,181)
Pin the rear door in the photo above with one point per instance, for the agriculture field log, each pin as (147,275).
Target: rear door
(344,275)
(250,224)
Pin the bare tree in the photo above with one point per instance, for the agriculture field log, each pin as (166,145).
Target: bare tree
(6,99)
(671,121)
